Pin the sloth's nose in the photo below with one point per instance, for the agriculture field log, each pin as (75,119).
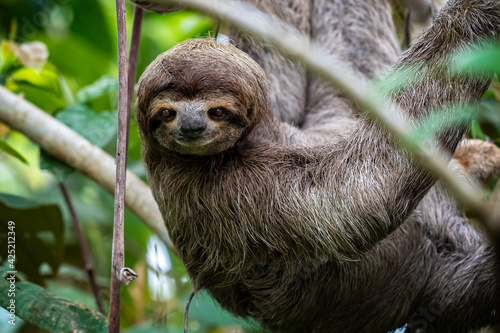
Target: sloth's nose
(192,129)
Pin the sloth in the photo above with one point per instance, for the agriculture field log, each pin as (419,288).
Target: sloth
(290,207)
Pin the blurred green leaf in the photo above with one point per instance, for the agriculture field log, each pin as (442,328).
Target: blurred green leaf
(5,147)
(39,234)
(488,94)
(482,58)
(9,62)
(99,88)
(97,127)
(150,328)
(42,88)
(78,59)
(134,142)
(434,123)
(180,25)
(490,112)
(398,80)
(45,79)
(72,283)
(476,132)
(89,22)
(40,308)
(209,313)
(59,169)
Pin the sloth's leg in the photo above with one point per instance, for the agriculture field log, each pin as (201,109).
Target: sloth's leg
(362,34)
(459,294)
(286,79)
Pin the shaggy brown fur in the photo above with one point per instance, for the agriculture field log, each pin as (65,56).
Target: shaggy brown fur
(479,159)
(300,228)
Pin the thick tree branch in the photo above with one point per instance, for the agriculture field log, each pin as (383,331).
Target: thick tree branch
(71,148)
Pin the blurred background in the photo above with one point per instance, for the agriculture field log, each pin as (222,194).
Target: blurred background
(61,55)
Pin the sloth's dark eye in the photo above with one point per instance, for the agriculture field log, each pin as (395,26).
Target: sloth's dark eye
(168,114)
(217,113)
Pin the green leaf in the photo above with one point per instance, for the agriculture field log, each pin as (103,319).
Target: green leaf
(476,131)
(59,169)
(97,127)
(77,59)
(489,112)
(101,87)
(38,307)
(5,147)
(434,123)
(9,61)
(38,234)
(181,25)
(481,58)
(488,94)
(209,313)
(400,79)
(151,328)
(45,79)
(89,22)
(42,88)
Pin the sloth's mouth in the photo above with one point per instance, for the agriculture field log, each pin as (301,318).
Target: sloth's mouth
(192,140)
(188,138)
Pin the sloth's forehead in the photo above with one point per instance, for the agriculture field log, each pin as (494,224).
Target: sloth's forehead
(181,103)
(202,101)
(205,97)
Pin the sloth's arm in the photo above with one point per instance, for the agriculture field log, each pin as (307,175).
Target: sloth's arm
(366,186)
(286,79)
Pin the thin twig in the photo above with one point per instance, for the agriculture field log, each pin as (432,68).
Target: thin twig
(133,55)
(118,254)
(217,28)
(407,29)
(87,259)
(187,312)
(126,78)
(421,10)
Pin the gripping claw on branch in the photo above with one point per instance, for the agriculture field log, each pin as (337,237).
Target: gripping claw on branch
(127,275)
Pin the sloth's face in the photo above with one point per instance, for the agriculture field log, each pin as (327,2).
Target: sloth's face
(200,97)
(196,126)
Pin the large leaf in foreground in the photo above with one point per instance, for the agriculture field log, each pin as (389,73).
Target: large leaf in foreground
(38,307)
(39,231)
